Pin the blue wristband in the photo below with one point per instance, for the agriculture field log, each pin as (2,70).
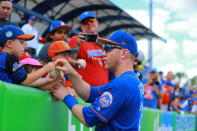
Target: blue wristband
(70,101)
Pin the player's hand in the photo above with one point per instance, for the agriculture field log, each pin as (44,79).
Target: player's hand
(64,66)
(61,93)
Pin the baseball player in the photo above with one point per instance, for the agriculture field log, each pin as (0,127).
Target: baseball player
(116,105)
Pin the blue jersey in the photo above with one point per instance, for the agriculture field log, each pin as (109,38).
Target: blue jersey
(116,105)
(11,69)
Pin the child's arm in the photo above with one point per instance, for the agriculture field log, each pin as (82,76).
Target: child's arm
(38,74)
(41,82)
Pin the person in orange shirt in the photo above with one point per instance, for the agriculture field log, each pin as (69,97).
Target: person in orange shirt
(95,73)
(167,89)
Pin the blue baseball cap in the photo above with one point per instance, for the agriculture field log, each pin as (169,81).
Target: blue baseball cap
(193,92)
(85,15)
(10,32)
(58,24)
(187,96)
(153,70)
(32,18)
(123,39)
(169,83)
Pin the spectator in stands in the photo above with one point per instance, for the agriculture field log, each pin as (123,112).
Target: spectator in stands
(167,88)
(25,54)
(30,28)
(169,77)
(138,61)
(61,50)
(58,31)
(152,90)
(11,70)
(5,11)
(191,107)
(161,77)
(95,74)
(175,104)
(32,65)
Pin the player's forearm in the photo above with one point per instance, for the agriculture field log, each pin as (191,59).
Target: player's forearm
(75,107)
(77,111)
(81,87)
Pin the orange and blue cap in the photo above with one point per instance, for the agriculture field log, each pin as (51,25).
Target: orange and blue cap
(60,46)
(10,32)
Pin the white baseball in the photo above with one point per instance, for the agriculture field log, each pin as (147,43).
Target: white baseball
(53,74)
(81,63)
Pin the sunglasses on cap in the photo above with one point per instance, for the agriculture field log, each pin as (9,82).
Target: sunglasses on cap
(108,47)
(88,20)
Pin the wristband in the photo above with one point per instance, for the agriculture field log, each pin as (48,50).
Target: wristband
(70,101)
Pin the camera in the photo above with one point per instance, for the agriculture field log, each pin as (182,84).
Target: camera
(90,37)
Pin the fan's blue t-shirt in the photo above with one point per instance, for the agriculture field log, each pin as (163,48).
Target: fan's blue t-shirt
(11,69)
(116,105)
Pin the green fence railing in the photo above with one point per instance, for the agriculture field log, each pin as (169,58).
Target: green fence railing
(29,109)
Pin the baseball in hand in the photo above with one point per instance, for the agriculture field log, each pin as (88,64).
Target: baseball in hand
(54,74)
(81,63)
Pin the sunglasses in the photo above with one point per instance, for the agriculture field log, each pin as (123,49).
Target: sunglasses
(88,20)
(108,47)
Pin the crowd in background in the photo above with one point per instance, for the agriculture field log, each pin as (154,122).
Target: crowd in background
(165,92)
(160,91)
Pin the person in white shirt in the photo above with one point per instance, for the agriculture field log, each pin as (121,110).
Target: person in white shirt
(30,28)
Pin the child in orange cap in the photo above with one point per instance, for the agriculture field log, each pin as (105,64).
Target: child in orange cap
(61,50)
(11,69)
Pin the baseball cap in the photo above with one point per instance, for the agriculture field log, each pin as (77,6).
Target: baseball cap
(193,92)
(60,46)
(153,70)
(169,83)
(193,101)
(30,61)
(58,24)
(32,18)
(122,39)
(187,96)
(10,32)
(85,15)
(160,72)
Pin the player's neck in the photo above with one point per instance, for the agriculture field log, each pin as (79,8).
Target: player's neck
(123,68)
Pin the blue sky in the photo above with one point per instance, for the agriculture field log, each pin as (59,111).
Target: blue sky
(174,20)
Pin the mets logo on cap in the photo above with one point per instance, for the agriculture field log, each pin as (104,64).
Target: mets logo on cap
(9,34)
(106,99)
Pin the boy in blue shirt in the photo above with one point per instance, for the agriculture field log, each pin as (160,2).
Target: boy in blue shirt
(12,39)
(116,105)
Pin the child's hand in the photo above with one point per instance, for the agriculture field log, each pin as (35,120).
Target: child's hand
(50,66)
